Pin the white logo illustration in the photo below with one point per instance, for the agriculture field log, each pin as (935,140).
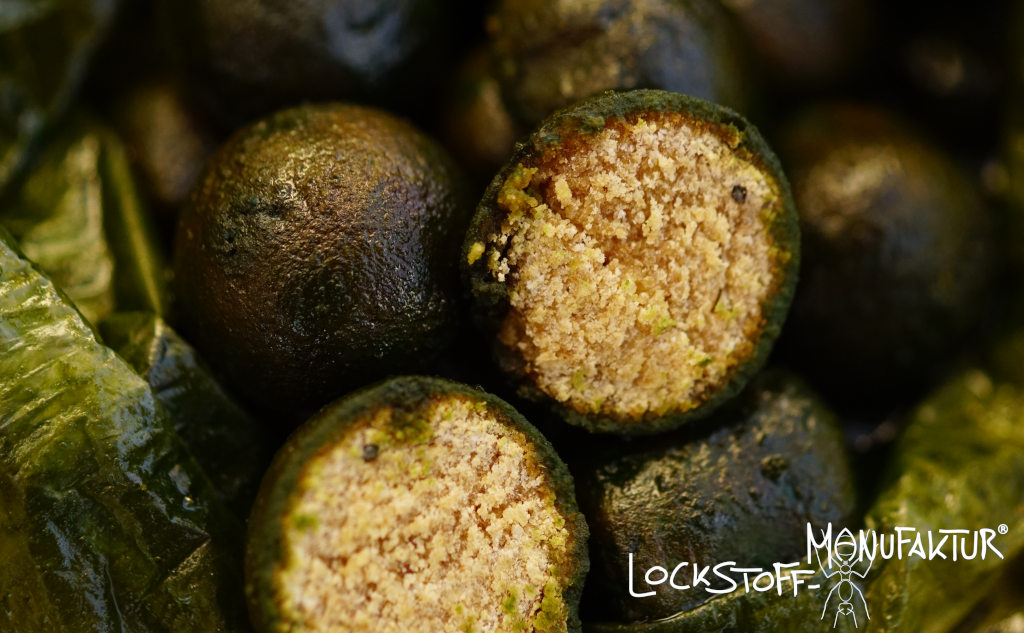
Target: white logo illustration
(844,554)
(848,562)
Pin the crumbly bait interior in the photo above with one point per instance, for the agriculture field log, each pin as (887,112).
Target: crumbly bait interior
(447,525)
(638,262)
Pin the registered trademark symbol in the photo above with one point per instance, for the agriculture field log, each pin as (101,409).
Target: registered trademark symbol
(1003,529)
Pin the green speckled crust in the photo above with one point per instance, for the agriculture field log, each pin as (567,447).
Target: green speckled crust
(107,524)
(230,446)
(776,458)
(405,397)
(590,116)
(957,466)
(317,254)
(78,216)
(45,52)
(897,249)
(552,53)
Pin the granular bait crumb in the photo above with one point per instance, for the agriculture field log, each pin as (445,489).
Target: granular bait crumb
(432,514)
(636,278)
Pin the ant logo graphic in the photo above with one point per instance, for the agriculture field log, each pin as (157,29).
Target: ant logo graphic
(844,550)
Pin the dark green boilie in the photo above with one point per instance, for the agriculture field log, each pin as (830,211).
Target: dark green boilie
(227,443)
(476,124)
(246,58)
(416,505)
(957,466)
(318,252)
(552,53)
(106,521)
(897,254)
(948,69)
(804,41)
(167,141)
(744,492)
(45,52)
(634,261)
(78,215)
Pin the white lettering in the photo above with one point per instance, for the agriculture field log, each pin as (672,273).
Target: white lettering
(631,592)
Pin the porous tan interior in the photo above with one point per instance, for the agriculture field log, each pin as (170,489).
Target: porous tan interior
(449,528)
(638,263)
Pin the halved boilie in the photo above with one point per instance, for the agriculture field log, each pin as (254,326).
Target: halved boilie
(635,260)
(417,505)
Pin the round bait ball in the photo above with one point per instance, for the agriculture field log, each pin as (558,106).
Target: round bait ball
(897,255)
(245,58)
(552,53)
(743,489)
(318,253)
(416,506)
(635,260)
